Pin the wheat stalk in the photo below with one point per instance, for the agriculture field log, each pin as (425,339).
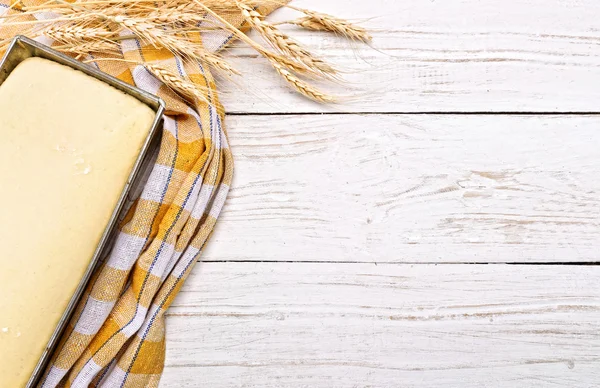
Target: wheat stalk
(170,79)
(176,83)
(324,22)
(181,13)
(217,5)
(244,38)
(219,63)
(84,26)
(85,48)
(159,38)
(146,31)
(301,86)
(73,34)
(281,64)
(282,42)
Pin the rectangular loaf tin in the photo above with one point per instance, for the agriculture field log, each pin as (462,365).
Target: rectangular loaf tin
(22,48)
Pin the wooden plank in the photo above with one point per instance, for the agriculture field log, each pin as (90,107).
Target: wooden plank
(412,188)
(364,325)
(452,55)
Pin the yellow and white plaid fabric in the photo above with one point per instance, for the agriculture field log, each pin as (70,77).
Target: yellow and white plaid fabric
(117,335)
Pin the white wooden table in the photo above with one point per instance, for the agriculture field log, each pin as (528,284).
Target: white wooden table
(433,231)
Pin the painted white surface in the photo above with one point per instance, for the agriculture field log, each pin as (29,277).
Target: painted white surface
(361,325)
(292,296)
(412,188)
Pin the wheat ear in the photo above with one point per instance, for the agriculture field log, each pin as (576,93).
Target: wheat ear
(172,80)
(244,38)
(84,48)
(158,38)
(182,13)
(76,34)
(281,64)
(219,63)
(282,42)
(299,85)
(177,84)
(324,22)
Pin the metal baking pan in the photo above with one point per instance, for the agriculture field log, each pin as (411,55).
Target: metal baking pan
(22,48)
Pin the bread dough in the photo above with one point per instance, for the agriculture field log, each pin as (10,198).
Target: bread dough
(68,143)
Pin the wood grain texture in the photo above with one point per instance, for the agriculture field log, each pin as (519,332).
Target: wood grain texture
(291,296)
(451,55)
(362,325)
(412,188)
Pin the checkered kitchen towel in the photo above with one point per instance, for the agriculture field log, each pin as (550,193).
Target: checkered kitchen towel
(117,335)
